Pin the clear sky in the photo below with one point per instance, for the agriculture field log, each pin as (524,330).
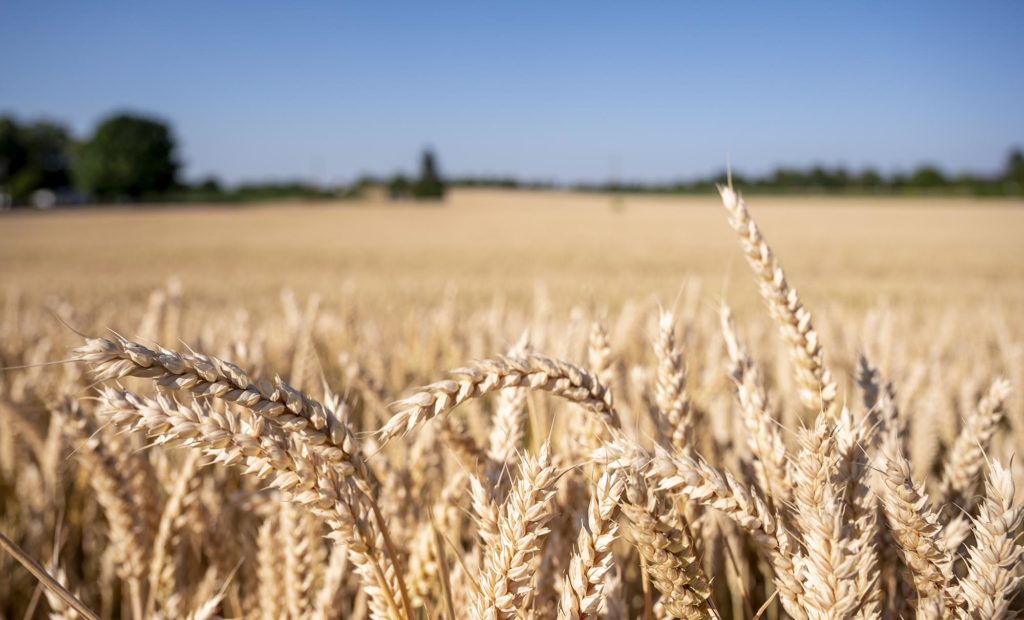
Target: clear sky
(558,90)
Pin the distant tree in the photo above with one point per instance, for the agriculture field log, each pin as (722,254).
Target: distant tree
(927,176)
(209,185)
(429,184)
(128,157)
(13,153)
(49,155)
(870,179)
(33,157)
(399,187)
(1014,172)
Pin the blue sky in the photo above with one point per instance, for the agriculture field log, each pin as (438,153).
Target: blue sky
(558,90)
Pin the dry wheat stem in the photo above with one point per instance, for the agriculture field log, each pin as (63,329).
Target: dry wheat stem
(40,573)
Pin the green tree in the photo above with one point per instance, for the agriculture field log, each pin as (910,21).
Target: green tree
(128,157)
(32,157)
(13,153)
(870,179)
(49,156)
(429,184)
(399,187)
(1015,168)
(927,176)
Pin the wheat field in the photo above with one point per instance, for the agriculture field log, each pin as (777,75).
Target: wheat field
(514,405)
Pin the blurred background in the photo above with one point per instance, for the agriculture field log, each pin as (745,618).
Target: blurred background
(572,148)
(106,102)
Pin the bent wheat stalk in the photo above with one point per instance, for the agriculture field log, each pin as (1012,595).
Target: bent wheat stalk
(531,371)
(203,375)
(302,474)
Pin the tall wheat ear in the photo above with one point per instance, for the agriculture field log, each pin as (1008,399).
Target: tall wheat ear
(817,388)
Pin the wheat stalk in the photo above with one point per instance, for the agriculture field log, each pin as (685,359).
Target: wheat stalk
(584,584)
(668,551)
(967,456)
(915,528)
(521,531)
(994,574)
(670,395)
(531,371)
(817,389)
(763,436)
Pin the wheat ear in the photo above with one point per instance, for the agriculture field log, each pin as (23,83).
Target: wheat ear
(967,456)
(675,421)
(829,566)
(817,389)
(994,574)
(505,581)
(203,375)
(532,371)
(583,589)
(128,533)
(162,566)
(509,426)
(763,436)
(915,529)
(697,481)
(269,556)
(668,551)
(294,468)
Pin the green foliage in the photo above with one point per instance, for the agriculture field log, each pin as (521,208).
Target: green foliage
(1014,174)
(822,180)
(399,187)
(429,185)
(926,177)
(13,153)
(32,157)
(128,157)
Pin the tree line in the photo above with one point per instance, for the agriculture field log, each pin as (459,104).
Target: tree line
(127,157)
(927,179)
(130,157)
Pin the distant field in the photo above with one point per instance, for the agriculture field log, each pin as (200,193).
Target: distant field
(487,243)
